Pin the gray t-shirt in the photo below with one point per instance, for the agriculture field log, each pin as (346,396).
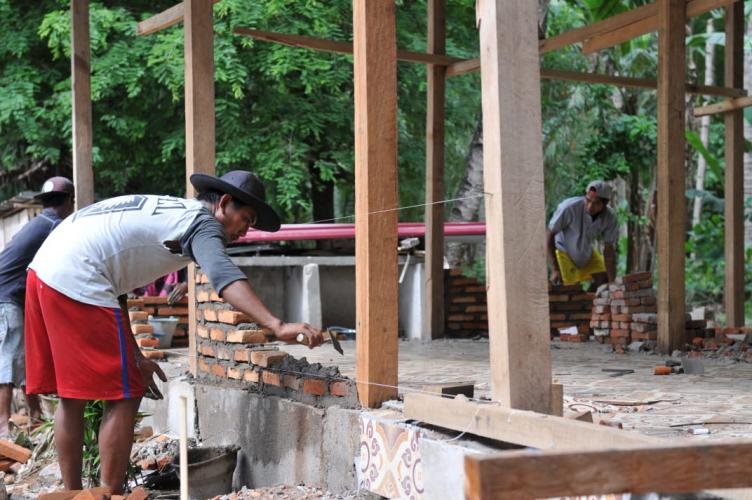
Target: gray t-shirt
(576,230)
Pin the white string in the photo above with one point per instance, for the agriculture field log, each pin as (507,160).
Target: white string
(353,216)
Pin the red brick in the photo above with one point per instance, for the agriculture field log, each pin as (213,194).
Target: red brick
(242,355)
(557,316)
(235,372)
(219,370)
(265,359)
(475,309)
(225,353)
(558,298)
(247,337)
(340,388)
(232,317)
(271,378)
(147,342)
(202,296)
(617,332)
(580,316)
(476,289)
(202,278)
(217,334)
(155,300)
(662,370)
(210,314)
(463,300)
(215,296)
(139,329)
(584,297)
(317,387)
(172,311)
(207,350)
(251,375)
(203,366)
(135,303)
(149,310)
(643,276)
(202,332)
(138,316)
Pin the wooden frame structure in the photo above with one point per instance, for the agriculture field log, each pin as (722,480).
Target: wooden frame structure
(518,318)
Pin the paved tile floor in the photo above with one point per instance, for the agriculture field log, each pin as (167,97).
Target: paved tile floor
(642,401)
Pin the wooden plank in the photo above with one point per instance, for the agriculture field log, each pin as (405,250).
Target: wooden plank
(513,171)
(525,428)
(557,400)
(676,468)
(672,213)
(163,20)
(321,44)
(734,181)
(83,173)
(13,451)
(375,73)
(723,106)
(433,285)
(199,120)
(647,25)
(470,65)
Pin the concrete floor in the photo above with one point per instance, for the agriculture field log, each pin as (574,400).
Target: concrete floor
(648,403)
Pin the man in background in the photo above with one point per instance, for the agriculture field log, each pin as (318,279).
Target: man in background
(57,202)
(575,226)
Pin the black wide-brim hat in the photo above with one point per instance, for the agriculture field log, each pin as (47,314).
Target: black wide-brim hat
(246,188)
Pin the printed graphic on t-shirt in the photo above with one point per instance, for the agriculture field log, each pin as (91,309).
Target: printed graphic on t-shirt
(121,204)
(131,203)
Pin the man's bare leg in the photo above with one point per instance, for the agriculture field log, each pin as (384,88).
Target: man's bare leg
(6,396)
(69,440)
(115,441)
(35,408)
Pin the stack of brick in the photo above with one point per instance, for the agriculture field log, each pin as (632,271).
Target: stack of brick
(142,330)
(232,347)
(616,305)
(466,309)
(569,306)
(157,307)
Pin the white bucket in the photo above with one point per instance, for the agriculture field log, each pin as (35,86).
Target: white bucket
(164,329)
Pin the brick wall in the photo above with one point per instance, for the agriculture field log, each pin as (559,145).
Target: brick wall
(233,349)
(467,310)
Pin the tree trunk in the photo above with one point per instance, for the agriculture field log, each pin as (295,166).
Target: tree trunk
(471,187)
(704,127)
(748,135)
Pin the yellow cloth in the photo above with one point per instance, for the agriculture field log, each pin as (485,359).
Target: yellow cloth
(571,274)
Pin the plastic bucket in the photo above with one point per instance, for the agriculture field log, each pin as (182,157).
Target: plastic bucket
(209,471)
(164,329)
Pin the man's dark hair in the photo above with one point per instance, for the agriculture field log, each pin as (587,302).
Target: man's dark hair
(212,196)
(54,200)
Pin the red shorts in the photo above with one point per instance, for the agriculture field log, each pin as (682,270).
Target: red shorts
(77,350)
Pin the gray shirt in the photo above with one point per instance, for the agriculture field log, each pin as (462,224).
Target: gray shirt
(576,230)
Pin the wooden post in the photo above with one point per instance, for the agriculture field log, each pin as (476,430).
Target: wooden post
(199,120)
(433,289)
(83,175)
(515,215)
(375,72)
(672,213)
(734,182)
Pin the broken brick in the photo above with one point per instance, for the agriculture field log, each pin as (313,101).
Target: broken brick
(292,382)
(662,370)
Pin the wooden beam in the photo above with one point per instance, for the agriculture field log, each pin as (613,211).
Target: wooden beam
(609,24)
(456,66)
(433,286)
(199,120)
(623,27)
(677,468)
(516,280)
(672,213)
(83,173)
(163,20)
(375,72)
(734,181)
(524,428)
(723,106)
(323,45)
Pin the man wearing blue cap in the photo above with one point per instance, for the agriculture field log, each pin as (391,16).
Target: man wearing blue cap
(57,203)
(573,230)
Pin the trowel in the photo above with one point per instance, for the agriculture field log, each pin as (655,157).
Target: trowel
(303,339)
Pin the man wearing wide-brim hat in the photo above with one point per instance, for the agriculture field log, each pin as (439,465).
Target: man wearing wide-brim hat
(78,339)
